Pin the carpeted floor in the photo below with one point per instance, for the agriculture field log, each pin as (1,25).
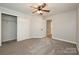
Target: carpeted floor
(44,46)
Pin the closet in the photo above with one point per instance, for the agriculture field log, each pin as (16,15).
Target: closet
(8,27)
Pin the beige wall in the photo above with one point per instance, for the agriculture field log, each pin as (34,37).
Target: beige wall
(38,27)
(23,28)
(65,26)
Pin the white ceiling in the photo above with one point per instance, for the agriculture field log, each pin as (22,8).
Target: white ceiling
(54,7)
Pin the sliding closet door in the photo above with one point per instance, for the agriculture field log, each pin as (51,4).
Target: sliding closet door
(9,27)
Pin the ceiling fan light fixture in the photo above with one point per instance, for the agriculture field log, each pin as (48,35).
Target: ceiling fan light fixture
(39,12)
(41,8)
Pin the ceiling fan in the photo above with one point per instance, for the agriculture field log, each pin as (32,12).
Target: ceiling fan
(40,8)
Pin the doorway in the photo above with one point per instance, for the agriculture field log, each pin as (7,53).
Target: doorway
(8,27)
(48,29)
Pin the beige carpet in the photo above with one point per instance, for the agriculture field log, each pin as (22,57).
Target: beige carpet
(44,46)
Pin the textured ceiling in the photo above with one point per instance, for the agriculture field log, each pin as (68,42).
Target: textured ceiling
(54,7)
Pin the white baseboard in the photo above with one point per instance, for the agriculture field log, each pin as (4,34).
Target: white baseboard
(37,36)
(64,40)
(18,39)
(8,40)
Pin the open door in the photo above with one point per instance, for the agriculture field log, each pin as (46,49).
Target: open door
(48,29)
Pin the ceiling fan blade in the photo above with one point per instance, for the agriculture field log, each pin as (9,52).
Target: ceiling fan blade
(34,11)
(34,7)
(43,5)
(46,10)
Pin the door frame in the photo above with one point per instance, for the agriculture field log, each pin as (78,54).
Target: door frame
(49,31)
